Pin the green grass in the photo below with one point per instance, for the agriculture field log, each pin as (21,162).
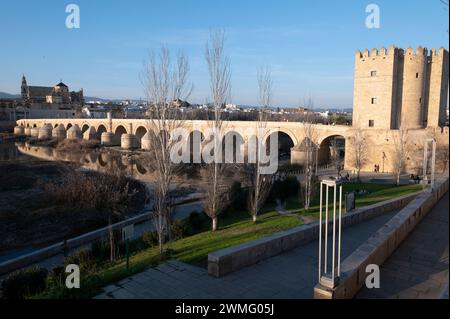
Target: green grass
(235,228)
(376,193)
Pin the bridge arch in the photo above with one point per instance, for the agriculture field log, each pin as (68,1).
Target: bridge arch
(195,140)
(118,132)
(84,127)
(332,150)
(100,129)
(140,132)
(233,147)
(286,141)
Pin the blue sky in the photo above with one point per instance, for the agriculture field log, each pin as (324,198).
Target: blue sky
(309,45)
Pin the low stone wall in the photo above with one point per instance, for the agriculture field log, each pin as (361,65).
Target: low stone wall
(382,244)
(234,258)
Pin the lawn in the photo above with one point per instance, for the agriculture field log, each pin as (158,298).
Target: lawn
(235,228)
(375,193)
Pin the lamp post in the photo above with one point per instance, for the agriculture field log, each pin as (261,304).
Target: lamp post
(329,277)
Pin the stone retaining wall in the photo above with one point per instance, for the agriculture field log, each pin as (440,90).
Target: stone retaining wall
(382,244)
(234,258)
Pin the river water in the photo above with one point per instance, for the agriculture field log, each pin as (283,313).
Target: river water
(102,161)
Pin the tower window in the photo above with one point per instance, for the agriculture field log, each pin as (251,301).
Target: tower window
(374,100)
(417,75)
(373,73)
(371,123)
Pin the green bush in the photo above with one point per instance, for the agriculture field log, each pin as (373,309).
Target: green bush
(239,197)
(150,238)
(284,189)
(178,229)
(56,277)
(25,282)
(101,250)
(195,222)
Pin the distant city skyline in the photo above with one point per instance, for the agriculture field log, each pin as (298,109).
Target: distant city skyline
(309,46)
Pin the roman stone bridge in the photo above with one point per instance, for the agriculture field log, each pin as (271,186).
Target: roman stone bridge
(132,134)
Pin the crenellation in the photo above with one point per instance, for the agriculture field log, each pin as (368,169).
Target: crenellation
(374,53)
(365,53)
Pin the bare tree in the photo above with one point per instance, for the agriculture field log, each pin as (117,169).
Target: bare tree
(359,143)
(259,183)
(400,139)
(310,146)
(164,83)
(220,85)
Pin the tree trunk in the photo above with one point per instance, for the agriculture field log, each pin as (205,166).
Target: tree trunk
(214,223)
(160,242)
(254,217)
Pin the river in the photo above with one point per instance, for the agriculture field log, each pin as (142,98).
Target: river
(101,161)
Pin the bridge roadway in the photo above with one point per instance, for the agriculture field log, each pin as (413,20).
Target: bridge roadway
(289,275)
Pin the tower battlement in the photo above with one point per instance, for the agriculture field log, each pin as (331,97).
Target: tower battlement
(396,88)
(383,52)
(374,53)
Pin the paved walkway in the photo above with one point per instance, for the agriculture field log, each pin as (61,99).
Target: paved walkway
(289,275)
(420,266)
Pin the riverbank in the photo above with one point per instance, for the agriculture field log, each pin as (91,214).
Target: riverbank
(32,215)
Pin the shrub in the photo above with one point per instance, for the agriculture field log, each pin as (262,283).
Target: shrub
(238,196)
(56,277)
(84,259)
(195,222)
(282,189)
(101,250)
(150,238)
(110,192)
(178,229)
(25,282)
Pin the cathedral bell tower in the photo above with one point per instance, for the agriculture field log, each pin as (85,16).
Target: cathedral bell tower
(24,88)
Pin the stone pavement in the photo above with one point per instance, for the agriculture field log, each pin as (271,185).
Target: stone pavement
(419,268)
(289,275)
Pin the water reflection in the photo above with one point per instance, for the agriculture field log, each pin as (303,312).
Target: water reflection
(190,184)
